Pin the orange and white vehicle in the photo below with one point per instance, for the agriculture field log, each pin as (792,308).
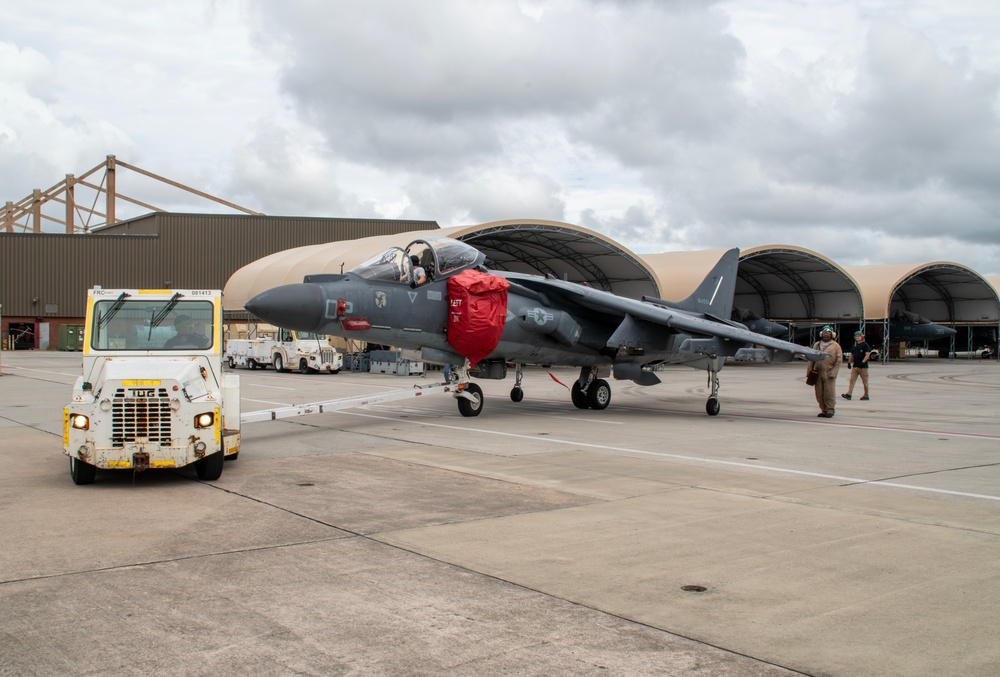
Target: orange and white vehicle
(152,393)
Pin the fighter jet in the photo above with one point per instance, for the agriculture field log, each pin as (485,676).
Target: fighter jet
(907,326)
(756,323)
(479,321)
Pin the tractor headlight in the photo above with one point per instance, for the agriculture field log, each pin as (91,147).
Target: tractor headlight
(80,422)
(204,420)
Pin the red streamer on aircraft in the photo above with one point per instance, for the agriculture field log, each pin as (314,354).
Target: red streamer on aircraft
(557,380)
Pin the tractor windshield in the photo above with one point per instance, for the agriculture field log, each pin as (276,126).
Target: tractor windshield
(163,324)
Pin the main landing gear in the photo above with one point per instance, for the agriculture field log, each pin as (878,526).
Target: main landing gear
(590,392)
(587,392)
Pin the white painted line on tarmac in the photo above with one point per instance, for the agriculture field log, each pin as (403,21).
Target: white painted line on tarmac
(40,371)
(713,461)
(879,428)
(280,404)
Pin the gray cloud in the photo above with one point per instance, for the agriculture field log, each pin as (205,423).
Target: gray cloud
(866,132)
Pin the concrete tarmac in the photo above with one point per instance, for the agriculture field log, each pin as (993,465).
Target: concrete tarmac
(537,538)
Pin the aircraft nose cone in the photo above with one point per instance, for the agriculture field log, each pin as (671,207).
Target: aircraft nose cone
(293,306)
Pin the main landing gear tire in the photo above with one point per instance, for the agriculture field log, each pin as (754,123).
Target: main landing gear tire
(471,407)
(82,473)
(712,407)
(278,364)
(210,467)
(516,394)
(578,396)
(599,394)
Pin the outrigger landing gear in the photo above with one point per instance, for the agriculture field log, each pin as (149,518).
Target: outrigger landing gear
(516,394)
(590,392)
(712,407)
(469,395)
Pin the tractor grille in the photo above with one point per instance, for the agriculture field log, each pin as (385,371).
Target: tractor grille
(326,356)
(146,418)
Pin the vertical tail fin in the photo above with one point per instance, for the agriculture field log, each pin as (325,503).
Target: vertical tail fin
(714,296)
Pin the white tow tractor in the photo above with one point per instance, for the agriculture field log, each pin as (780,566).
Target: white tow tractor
(152,393)
(285,349)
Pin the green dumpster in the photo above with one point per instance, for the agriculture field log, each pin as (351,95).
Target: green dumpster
(70,337)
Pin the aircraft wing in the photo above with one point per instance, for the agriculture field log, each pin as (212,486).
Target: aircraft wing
(574,298)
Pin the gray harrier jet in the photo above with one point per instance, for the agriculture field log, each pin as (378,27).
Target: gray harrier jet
(907,326)
(437,297)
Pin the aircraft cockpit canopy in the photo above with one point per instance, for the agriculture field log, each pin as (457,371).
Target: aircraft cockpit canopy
(907,316)
(438,256)
(389,265)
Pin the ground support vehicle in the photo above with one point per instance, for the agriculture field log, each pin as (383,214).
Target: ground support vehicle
(152,393)
(306,352)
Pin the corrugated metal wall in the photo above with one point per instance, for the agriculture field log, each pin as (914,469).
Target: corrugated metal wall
(47,275)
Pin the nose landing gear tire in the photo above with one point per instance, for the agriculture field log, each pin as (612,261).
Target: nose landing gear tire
(516,395)
(712,407)
(472,407)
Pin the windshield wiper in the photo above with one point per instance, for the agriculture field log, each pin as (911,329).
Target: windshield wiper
(159,317)
(113,310)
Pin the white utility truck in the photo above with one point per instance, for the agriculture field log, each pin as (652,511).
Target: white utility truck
(152,393)
(285,349)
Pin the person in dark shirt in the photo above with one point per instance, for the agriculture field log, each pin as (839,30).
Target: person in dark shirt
(861,352)
(186,338)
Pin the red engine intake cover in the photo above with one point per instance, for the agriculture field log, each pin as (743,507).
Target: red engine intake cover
(477,313)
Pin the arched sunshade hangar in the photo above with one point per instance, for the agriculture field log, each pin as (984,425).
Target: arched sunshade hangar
(994,281)
(941,291)
(794,285)
(562,250)
(525,245)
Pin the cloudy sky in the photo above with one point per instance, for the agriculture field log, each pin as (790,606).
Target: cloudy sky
(868,131)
